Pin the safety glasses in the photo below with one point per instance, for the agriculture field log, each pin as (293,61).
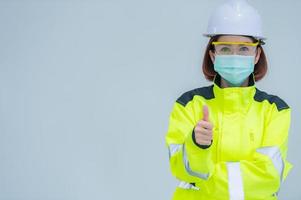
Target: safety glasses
(238,48)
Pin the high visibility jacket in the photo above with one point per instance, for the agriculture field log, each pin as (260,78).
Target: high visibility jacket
(247,156)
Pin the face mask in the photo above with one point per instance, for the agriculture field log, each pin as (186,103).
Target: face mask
(234,68)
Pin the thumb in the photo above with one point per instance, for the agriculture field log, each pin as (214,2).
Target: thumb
(205,113)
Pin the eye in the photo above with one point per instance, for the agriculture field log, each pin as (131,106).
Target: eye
(225,49)
(244,49)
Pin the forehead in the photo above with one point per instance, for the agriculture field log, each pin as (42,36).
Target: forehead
(234,38)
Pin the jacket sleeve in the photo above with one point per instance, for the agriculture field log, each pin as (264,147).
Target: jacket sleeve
(188,162)
(262,176)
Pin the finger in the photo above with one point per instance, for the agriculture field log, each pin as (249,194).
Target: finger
(208,142)
(204,142)
(202,130)
(202,134)
(206,132)
(205,124)
(203,137)
(205,113)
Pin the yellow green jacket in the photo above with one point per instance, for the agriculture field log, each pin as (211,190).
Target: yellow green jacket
(247,157)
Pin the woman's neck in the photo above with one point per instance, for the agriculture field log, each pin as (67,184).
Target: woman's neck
(224,83)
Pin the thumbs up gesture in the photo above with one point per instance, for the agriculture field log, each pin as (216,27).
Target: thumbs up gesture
(203,129)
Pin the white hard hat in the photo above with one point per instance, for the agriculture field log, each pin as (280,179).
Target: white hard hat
(235,17)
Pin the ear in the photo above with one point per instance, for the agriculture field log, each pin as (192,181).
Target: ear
(257,55)
(212,56)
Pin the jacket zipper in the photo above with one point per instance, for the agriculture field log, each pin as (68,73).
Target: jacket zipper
(219,147)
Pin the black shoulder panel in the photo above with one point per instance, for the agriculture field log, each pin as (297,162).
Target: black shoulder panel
(206,92)
(261,95)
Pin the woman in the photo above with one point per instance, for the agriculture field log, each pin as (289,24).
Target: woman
(228,140)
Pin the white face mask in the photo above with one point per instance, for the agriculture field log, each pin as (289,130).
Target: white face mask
(234,68)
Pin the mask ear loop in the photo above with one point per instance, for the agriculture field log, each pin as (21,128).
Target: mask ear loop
(214,78)
(253,77)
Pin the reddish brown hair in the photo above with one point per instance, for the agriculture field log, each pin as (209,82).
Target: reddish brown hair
(260,69)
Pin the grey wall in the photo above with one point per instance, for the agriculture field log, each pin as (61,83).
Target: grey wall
(86,88)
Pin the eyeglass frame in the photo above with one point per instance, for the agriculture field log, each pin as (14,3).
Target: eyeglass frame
(253,44)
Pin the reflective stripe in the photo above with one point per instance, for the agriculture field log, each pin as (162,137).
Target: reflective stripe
(187,186)
(275,155)
(173,148)
(235,181)
(187,167)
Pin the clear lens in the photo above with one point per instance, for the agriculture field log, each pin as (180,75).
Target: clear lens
(230,49)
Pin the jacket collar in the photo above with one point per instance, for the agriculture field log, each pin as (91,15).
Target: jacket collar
(234,99)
